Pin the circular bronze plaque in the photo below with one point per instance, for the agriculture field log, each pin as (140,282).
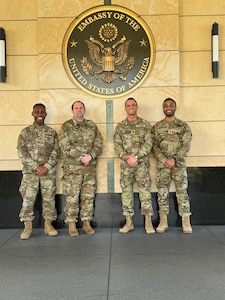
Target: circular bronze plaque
(108,51)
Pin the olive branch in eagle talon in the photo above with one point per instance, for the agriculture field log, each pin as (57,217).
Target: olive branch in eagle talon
(87,68)
(108,59)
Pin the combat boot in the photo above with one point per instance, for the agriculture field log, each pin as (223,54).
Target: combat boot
(148,225)
(27,230)
(186,224)
(163,224)
(49,229)
(128,226)
(87,227)
(73,229)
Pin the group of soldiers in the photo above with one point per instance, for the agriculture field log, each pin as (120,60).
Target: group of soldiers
(80,143)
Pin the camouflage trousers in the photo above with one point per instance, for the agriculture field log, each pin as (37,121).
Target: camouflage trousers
(29,188)
(164,177)
(140,175)
(79,187)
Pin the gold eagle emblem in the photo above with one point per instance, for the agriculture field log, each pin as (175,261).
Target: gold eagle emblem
(108,60)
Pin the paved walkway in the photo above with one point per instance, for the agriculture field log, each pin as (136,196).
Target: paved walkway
(114,266)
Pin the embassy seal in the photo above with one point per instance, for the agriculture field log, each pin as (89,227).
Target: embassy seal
(108,51)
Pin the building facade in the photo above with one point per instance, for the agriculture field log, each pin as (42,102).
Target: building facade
(182,70)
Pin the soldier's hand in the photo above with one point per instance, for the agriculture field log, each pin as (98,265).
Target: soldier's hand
(86,158)
(169,163)
(41,171)
(132,161)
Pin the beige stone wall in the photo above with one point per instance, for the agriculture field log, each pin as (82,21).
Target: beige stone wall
(202,98)
(182,33)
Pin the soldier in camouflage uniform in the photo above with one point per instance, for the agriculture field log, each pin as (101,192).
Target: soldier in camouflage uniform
(133,143)
(38,151)
(172,140)
(81,144)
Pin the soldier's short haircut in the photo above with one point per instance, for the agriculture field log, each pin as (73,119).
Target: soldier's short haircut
(39,104)
(171,99)
(78,101)
(130,99)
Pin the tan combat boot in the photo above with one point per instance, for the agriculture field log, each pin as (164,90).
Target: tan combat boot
(87,227)
(73,229)
(49,229)
(163,224)
(27,230)
(186,224)
(128,226)
(148,225)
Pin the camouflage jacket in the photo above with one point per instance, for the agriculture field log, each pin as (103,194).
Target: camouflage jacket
(38,146)
(77,138)
(171,139)
(133,138)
